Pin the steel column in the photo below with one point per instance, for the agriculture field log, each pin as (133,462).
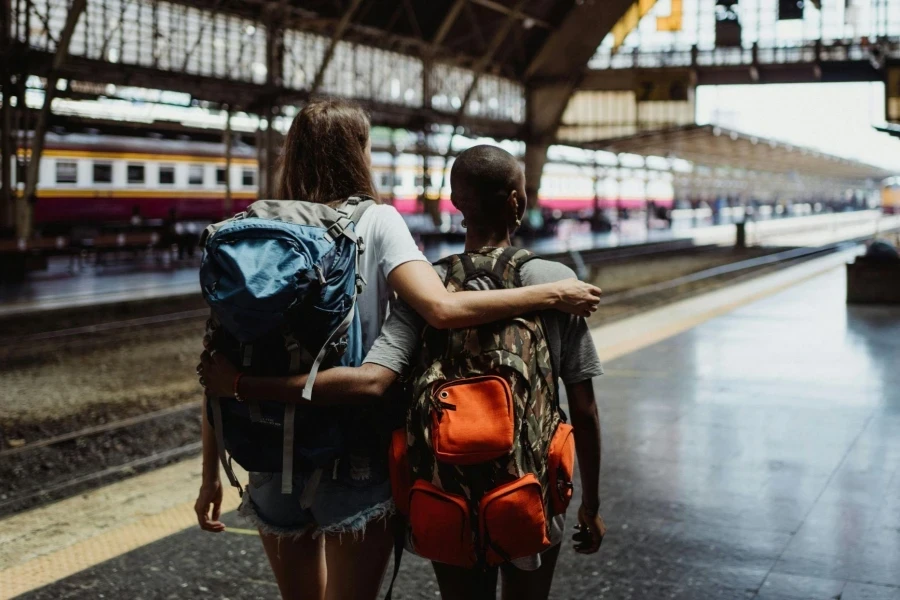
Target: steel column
(228,206)
(25,204)
(7,154)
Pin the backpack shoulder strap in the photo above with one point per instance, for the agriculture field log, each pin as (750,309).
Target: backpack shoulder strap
(506,267)
(519,260)
(354,208)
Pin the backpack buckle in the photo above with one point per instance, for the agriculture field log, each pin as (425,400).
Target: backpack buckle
(339,347)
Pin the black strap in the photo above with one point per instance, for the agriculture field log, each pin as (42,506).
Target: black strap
(468,265)
(399,543)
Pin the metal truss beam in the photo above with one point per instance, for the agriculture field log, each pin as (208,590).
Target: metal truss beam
(247,95)
(335,38)
(505,10)
(447,24)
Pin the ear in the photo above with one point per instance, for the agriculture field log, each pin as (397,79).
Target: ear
(512,204)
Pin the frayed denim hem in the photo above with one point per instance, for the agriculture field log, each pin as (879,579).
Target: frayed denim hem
(355,525)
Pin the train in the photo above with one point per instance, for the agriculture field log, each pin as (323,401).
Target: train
(100,179)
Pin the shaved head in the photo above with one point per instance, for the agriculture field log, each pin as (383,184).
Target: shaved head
(482,181)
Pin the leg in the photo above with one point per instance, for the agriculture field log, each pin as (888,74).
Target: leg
(457,583)
(298,565)
(356,566)
(530,585)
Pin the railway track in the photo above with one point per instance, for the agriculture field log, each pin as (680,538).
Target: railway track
(74,461)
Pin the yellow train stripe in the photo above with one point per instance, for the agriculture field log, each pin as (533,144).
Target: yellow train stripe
(66,194)
(139,156)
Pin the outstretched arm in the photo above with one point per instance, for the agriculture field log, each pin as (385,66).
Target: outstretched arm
(417,283)
(586,421)
(338,385)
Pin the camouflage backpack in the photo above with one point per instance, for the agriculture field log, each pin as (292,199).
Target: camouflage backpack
(486,457)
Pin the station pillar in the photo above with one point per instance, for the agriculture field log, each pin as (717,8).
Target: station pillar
(7,148)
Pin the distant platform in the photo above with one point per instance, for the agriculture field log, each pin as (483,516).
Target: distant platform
(751,450)
(66,284)
(63,286)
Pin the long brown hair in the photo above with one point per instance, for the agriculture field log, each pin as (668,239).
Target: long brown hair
(324,157)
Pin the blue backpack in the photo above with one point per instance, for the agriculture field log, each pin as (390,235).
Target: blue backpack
(282,280)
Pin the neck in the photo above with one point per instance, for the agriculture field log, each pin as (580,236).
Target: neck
(479,239)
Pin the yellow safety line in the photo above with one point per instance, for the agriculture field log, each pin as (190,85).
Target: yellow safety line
(252,532)
(110,544)
(93,551)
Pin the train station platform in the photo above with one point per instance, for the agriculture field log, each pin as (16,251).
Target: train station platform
(148,277)
(751,450)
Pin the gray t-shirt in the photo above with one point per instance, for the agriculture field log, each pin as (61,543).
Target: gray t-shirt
(572,350)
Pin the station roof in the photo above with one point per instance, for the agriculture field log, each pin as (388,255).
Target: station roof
(715,146)
(505,34)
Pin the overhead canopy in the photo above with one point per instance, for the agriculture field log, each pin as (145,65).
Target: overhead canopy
(716,146)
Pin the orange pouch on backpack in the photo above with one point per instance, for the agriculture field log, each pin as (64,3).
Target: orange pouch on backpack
(512,521)
(561,463)
(475,421)
(440,525)
(398,467)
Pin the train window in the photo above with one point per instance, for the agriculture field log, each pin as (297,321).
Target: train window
(102,172)
(195,175)
(135,173)
(221,179)
(385,180)
(248,178)
(66,171)
(420,180)
(167,175)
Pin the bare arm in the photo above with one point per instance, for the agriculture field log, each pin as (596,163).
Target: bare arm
(338,385)
(209,500)
(418,284)
(586,421)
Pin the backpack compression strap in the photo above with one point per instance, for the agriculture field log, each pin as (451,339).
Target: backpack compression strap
(352,212)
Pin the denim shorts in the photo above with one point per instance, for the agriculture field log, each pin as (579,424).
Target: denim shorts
(343,497)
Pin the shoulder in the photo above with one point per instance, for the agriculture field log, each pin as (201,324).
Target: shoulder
(381,223)
(381,214)
(539,270)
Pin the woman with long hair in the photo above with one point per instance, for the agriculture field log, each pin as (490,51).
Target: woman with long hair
(339,547)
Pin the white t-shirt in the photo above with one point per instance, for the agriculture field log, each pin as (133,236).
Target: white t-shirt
(388,245)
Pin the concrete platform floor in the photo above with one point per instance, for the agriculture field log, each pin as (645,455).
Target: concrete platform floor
(755,455)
